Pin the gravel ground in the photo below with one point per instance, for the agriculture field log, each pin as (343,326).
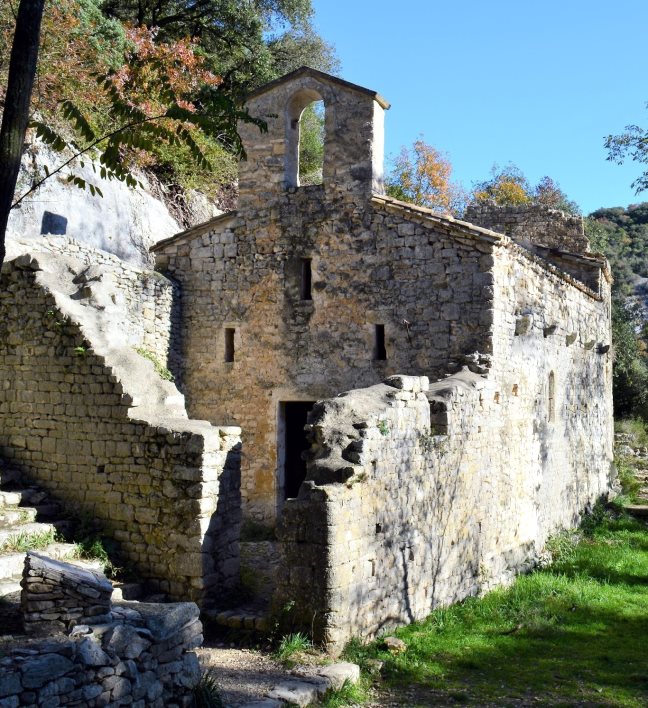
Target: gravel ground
(244,675)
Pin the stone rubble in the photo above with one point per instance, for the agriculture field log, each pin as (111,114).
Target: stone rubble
(136,654)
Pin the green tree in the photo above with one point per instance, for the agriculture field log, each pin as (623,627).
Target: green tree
(630,371)
(632,144)
(621,234)
(549,193)
(247,43)
(161,96)
(311,143)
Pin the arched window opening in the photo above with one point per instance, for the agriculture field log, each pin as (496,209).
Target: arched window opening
(311,144)
(551,398)
(305,139)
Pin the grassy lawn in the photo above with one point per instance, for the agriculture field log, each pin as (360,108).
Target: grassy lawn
(575,633)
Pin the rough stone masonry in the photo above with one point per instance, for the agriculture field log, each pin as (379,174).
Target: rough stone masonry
(477,418)
(137,654)
(413,497)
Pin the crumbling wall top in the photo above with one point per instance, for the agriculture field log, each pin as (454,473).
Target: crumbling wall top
(532,225)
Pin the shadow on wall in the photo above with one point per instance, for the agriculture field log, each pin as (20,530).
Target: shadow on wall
(439,552)
(221,543)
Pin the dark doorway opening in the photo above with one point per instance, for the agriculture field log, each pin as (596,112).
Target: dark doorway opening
(292,444)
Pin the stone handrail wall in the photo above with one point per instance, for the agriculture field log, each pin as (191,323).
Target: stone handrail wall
(98,429)
(57,596)
(149,302)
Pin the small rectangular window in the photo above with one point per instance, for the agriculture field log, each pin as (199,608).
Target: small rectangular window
(306,279)
(380,353)
(229,344)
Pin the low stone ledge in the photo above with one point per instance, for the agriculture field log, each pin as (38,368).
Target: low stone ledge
(130,654)
(57,595)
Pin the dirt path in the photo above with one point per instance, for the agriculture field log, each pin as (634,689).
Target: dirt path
(245,675)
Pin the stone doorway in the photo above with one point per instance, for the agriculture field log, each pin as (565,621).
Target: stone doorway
(292,443)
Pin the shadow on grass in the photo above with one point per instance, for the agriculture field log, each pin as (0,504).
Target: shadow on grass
(575,634)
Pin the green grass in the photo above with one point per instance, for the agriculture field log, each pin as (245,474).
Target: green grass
(93,548)
(290,645)
(349,695)
(23,542)
(572,634)
(160,369)
(630,486)
(207,694)
(634,427)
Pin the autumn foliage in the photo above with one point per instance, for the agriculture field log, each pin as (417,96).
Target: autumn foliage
(422,175)
(506,187)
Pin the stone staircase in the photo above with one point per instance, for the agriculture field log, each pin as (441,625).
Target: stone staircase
(250,610)
(636,458)
(29,520)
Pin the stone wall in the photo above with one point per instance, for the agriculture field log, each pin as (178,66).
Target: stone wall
(140,656)
(429,286)
(532,225)
(149,302)
(417,498)
(98,429)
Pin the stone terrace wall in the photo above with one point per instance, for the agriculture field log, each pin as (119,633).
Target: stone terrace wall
(532,224)
(165,488)
(150,302)
(430,288)
(143,657)
(395,519)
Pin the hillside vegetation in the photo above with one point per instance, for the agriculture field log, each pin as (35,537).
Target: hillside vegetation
(159,85)
(622,235)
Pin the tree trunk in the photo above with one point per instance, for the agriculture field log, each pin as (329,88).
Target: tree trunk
(22,69)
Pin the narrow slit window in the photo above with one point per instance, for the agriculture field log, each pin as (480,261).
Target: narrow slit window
(380,353)
(306,279)
(551,396)
(229,344)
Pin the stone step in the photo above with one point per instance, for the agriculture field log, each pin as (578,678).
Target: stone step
(9,586)
(17,514)
(239,619)
(639,511)
(29,495)
(10,531)
(127,591)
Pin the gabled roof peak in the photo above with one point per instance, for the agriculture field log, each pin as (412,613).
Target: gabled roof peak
(321,76)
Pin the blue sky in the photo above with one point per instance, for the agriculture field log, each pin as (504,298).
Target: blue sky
(537,84)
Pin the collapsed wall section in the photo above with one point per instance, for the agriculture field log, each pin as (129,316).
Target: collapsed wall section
(385,528)
(98,429)
(532,224)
